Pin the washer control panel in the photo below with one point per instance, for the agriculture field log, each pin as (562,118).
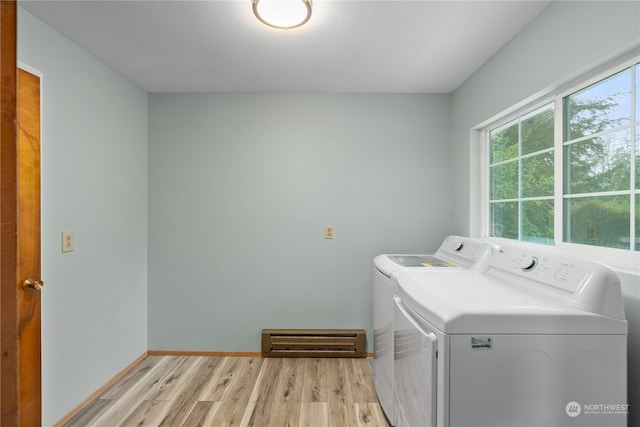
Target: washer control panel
(464,248)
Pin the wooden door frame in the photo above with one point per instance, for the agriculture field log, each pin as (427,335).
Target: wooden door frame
(9,414)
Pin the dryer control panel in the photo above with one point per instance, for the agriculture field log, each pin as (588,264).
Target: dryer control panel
(577,282)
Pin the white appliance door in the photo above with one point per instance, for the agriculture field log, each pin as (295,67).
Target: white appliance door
(415,350)
(383,308)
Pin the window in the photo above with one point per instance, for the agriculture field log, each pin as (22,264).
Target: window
(521,167)
(600,169)
(569,170)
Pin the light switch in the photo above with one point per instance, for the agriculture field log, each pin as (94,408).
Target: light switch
(67,241)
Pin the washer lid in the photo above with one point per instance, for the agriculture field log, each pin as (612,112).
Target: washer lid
(454,252)
(475,303)
(389,264)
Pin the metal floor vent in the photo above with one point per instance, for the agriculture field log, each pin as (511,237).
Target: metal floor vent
(313,343)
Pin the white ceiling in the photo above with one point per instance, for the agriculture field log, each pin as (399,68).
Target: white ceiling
(347,46)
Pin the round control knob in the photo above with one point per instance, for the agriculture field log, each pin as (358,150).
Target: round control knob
(460,246)
(528,263)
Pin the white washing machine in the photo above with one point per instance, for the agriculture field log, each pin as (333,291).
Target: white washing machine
(535,340)
(455,253)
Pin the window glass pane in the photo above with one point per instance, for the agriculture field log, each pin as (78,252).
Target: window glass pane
(601,106)
(537,131)
(537,175)
(637,69)
(504,220)
(638,157)
(504,181)
(599,221)
(598,164)
(504,143)
(537,221)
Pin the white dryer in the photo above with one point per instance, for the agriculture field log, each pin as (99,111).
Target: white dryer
(536,340)
(455,253)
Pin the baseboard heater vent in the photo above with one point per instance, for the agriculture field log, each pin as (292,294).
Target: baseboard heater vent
(313,343)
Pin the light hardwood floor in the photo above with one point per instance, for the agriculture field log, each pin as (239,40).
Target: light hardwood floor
(238,391)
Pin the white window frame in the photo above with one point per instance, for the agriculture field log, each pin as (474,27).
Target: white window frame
(620,259)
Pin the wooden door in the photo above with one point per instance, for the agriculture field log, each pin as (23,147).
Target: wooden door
(20,356)
(29,272)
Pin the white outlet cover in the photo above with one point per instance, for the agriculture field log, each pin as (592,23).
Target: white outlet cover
(67,241)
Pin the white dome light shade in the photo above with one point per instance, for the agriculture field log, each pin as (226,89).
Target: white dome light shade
(283,14)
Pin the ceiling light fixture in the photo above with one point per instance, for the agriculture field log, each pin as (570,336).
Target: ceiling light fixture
(282,14)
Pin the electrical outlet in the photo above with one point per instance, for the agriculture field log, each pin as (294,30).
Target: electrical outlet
(67,241)
(328,232)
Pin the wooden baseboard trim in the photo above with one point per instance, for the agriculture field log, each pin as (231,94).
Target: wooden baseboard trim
(204,353)
(98,392)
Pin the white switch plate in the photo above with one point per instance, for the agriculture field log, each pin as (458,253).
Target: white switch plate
(67,241)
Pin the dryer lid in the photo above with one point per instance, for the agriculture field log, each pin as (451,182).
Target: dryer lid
(477,303)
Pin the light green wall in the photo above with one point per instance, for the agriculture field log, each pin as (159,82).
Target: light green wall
(94,183)
(241,186)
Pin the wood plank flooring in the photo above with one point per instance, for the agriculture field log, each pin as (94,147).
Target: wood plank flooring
(193,391)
